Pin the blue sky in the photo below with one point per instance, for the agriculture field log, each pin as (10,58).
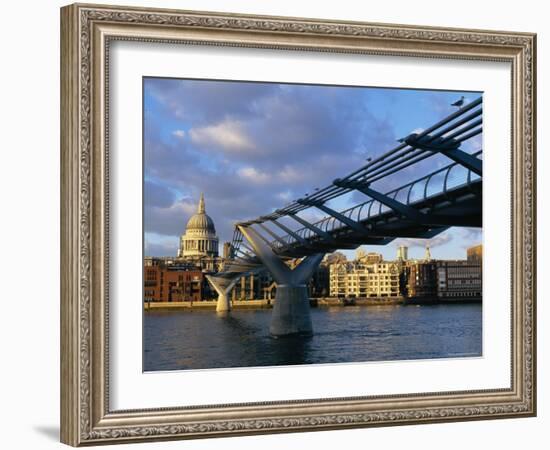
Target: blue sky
(254,147)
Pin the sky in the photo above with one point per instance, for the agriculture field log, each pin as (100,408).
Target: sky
(253,147)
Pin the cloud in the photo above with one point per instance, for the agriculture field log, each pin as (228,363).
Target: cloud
(290,174)
(228,135)
(253,175)
(285,196)
(254,147)
(437,241)
(202,101)
(470,236)
(169,220)
(155,194)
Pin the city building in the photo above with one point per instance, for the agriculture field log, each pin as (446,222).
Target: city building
(427,254)
(168,261)
(252,286)
(335,257)
(420,280)
(402,253)
(199,243)
(475,253)
(227,250)
(360,253)
(338,278)
(459,280)
(149,261)
(319,285)
(360,280)
(171,283)
(369,258)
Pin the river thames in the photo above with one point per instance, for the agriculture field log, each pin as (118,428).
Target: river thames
(176,340)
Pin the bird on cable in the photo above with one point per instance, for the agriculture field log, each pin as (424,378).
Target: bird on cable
(458,103)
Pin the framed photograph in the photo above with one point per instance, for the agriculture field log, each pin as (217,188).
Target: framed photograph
(276,224)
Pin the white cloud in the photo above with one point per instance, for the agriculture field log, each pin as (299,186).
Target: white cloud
(171,220)
(291,175)
(253,175)
(471,236)
(228,135)
(285,196)
(178,133)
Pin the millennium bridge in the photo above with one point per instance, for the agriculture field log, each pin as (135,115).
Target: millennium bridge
(450,196)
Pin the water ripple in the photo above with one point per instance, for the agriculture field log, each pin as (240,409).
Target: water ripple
(178,340)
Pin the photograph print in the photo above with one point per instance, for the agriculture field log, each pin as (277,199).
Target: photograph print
(289,224)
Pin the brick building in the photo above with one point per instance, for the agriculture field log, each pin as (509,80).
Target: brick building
(172,284)
(420,280)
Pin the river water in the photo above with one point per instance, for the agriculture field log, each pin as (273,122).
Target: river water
(175,340)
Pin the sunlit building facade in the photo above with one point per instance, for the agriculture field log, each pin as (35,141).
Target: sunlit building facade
(359,280)
(475,253)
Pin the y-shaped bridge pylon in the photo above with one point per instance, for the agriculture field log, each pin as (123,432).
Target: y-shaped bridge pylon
(291,311)
(225,280)
(223,286)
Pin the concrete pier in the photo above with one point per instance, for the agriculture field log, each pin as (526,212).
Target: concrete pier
(291,311)
(291,314)
(222,286)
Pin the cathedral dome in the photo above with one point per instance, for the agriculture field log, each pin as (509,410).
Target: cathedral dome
(201,221)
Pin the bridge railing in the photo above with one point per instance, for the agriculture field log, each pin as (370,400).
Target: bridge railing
(438,182)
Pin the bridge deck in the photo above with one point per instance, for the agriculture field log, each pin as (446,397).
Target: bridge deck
(460,206)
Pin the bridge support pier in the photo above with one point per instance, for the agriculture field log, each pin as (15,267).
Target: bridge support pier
(291,312)
(291,315)
(223,286)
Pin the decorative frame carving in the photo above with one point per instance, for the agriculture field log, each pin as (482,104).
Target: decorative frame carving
(86,31)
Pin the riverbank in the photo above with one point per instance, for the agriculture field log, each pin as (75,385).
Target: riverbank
(267,304)
(314,302)
(363,301)
(207,305)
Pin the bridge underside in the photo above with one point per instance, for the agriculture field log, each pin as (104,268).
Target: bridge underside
(460,207)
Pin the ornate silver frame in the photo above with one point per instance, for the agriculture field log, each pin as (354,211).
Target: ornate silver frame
(86,31)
